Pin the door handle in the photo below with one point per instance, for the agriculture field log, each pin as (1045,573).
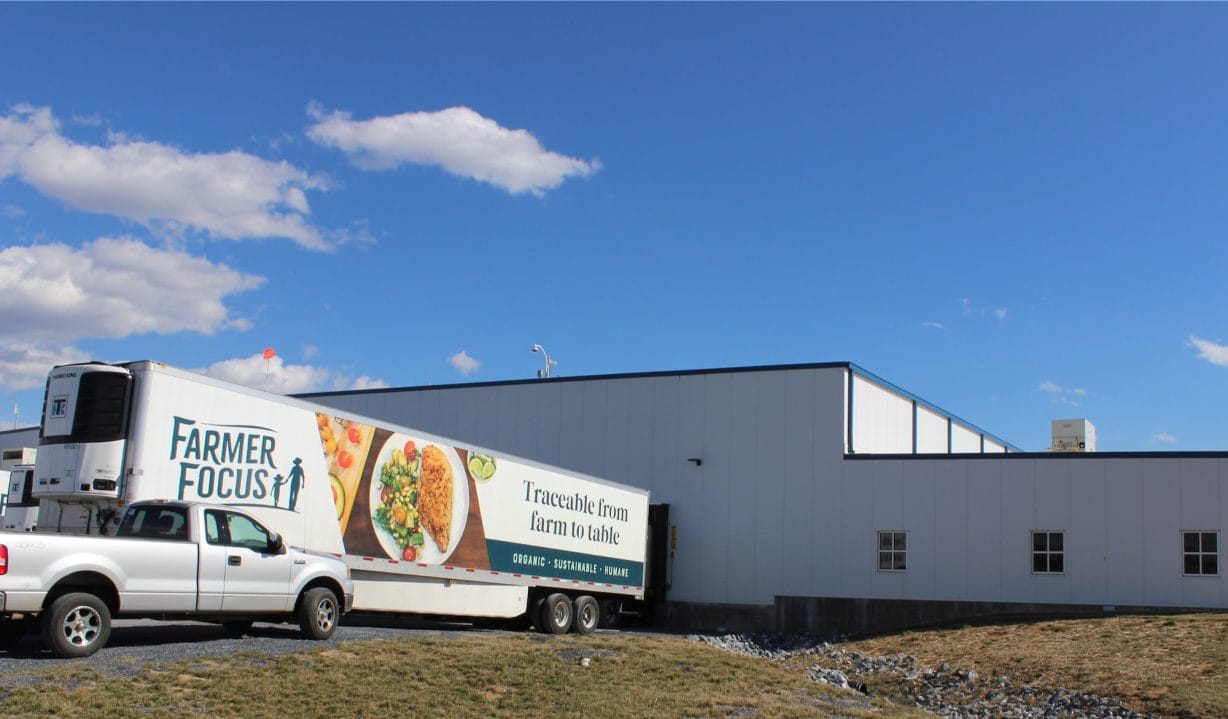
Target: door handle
(234,560)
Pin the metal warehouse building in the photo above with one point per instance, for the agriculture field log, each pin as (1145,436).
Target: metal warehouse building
(820,497)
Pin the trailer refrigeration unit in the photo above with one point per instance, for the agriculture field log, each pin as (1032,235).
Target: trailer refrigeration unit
(426,524)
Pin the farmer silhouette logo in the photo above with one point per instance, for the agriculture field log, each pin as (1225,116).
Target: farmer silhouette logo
(295,480)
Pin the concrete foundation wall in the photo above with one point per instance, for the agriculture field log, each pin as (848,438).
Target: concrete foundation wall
(835,617)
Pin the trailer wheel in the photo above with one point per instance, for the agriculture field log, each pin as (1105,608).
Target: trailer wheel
(588,615)
(533,616)
(11,631)
(318,613)
(76,625)
(557,614)
(610,614)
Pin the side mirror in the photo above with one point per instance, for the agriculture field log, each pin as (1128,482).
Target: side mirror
(277,545)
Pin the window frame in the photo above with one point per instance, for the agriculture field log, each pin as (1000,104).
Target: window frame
(1048,552)
(1200,552)
(898,549)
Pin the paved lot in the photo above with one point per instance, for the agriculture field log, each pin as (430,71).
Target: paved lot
(135,643)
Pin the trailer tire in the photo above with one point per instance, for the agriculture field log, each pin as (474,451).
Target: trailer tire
(611,617)
(588,615)
(557,614)
(76,625)
(11,631)
(318,613)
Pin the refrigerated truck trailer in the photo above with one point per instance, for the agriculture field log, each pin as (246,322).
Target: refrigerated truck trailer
(18,508)
(427,524)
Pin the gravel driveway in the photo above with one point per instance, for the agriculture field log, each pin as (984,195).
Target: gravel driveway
(135,643)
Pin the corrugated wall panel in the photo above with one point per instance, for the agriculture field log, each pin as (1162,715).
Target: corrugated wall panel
(931,432)
(1087,531)
(800,410)
(1124,531)
(770,497)
(1161,532)
(985,548)
(882,419)
(951,535)
(718,479)
(744,477)
(964,440)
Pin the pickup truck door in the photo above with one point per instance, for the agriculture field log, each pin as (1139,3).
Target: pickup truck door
(237,549)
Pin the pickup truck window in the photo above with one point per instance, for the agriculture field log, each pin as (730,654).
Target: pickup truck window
(246,533)
(155,523)
(236,530)
(213,529)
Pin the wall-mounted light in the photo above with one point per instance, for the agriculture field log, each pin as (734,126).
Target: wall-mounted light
(695,461)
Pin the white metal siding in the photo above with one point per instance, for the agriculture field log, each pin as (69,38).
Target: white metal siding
(964,440)
(931,432)
(882,419)
(776,509)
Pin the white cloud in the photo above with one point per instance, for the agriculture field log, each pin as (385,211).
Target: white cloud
(365,382)
(1163,437)
(1210,351)
(53,296)
(13,211)
(457,139)
(229,195)
(273,374)
(934,325)
(1062,395)
(968,309)
(463,363)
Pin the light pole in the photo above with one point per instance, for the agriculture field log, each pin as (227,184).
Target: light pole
(544,373)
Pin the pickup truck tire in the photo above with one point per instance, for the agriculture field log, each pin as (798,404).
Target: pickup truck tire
(557,614)
(588,615)
(76,625)
(318,612)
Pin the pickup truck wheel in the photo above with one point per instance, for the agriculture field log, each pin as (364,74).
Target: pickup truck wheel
(557,614)
(588,615)
(12,631)
(76,625)
(318,613)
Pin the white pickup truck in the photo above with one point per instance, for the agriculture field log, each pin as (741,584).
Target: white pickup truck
(166,559)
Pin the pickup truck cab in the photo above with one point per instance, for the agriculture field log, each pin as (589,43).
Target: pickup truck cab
(167,559)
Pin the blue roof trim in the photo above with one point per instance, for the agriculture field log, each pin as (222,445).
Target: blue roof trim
(862,372)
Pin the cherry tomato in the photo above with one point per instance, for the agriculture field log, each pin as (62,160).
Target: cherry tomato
(409,554)
(385,495)
(344,459)
(354,435)
(411,450)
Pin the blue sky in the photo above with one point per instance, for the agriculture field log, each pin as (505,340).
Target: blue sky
(1013,211)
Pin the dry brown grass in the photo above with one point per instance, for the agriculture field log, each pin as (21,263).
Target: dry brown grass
(1171,665)
(476,676)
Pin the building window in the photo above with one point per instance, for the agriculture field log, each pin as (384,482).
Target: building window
(1201,553)
(1048,552)
(892,551)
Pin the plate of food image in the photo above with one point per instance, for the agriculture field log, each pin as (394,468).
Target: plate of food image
(419,499)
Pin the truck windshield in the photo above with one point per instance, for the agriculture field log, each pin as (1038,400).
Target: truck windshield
(157,522)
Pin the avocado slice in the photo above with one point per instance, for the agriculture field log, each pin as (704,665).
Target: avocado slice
(338,494)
